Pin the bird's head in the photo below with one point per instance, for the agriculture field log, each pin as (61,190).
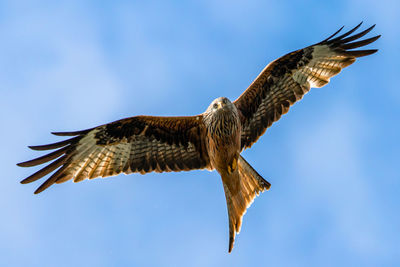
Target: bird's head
(221,113)
(220,104)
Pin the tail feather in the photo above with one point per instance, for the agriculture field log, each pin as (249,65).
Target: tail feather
(241,187)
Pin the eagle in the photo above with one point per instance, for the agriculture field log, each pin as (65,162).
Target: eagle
(212,140)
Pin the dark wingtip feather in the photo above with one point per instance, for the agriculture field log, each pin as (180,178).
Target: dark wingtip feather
(43,159)
(345,45)
(24,182)
(341,28)
(43,187)
(63,133)
(55,145)
(44,171)
(338,38)
(360,43)
(35,147)
(50,181)
(71,133)
(362,53)
(358,35)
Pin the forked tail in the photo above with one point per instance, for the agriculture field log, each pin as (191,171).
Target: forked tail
(241,187)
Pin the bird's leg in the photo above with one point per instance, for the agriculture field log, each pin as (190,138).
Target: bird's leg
(232,166)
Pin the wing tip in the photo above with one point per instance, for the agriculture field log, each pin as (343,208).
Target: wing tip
(344,37)
(362,53)
(38,191)
(333,35)
(24,182)
(22,164)
(329,39)
(64,133)
(34,147)
(49,182)
(28,180)
(74,133)
(348,41)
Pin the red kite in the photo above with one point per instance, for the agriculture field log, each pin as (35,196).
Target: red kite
(211,140)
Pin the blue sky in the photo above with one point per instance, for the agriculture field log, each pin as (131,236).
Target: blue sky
(332,160)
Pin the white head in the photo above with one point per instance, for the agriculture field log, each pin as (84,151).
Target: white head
(222,119)
(219,105)
(221,110)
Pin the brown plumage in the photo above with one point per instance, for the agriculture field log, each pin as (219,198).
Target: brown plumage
(212,140)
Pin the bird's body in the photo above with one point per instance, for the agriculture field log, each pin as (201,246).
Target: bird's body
(223,145)
(211,140)
(223,134)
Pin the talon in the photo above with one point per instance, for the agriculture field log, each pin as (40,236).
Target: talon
(232,167)
(234,164)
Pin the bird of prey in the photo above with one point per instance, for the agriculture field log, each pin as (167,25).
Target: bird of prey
(212,140)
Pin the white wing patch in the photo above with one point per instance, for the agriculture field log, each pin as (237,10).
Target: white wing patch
(325,64)
(90,160)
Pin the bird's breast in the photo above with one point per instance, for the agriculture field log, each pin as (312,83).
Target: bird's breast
(224,142)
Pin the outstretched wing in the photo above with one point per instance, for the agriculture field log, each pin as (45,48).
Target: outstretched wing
(287,79)
(138,144)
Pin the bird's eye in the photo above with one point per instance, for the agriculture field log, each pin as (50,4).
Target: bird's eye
(215,105)
(224,100)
